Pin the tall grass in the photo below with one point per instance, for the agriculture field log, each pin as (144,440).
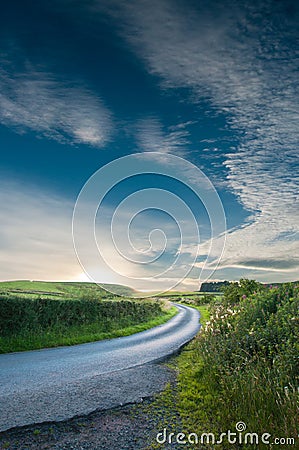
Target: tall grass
(244,366)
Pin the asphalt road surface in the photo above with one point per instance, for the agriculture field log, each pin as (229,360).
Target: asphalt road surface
(60,383)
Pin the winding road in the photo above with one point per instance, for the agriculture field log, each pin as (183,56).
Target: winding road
(60,383)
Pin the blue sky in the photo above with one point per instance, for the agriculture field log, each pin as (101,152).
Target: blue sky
(83,83)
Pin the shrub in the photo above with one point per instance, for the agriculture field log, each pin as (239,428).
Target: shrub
(204,299)
(249,359)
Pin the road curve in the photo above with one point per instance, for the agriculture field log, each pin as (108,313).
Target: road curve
(60,383)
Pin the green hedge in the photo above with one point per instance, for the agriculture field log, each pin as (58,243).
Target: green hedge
(19,315)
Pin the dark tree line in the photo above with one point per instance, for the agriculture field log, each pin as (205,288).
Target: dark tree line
(214,286)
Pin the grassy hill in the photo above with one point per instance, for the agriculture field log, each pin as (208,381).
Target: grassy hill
(62,289)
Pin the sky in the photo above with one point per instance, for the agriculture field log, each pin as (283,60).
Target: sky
(152,143)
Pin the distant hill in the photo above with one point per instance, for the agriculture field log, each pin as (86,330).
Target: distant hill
(118,289)
(64,289)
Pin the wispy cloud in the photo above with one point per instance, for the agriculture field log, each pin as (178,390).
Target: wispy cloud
(38,224)
(152,137)
(242,59)
(36,100)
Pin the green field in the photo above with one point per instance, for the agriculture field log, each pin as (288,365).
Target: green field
(61,289)
(41,314)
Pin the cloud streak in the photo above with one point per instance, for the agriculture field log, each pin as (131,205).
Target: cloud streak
(36,100)
(152,137)
(241,58)
(37,224)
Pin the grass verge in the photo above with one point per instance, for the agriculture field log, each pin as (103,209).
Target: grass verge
(175,405)
(242,368)
(193,393)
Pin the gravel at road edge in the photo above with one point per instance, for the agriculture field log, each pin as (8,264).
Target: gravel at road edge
(129,427)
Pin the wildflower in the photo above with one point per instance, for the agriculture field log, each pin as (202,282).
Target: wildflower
(286,391)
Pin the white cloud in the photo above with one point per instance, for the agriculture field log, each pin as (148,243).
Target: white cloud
(36,235)
(151,137)
(35,100)
(237,58)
